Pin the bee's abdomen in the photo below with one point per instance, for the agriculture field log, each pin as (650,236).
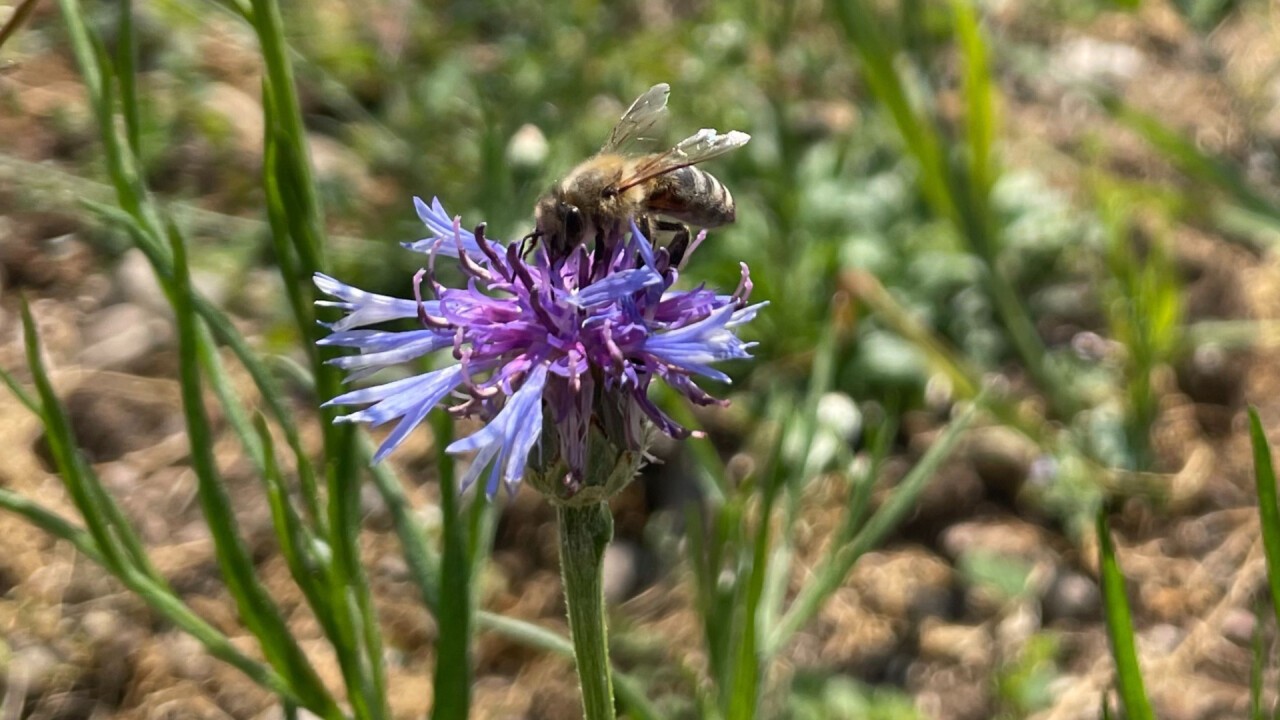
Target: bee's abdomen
(693,196)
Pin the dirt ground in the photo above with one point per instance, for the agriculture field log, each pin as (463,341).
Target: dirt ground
(73,644)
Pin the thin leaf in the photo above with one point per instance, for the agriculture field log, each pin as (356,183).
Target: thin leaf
(296,542)
(126,76)
(75,473)
(91,501)
(257,609)
(51,523)
(980,117)
(833,568)
(1257,667)
(1120,627)
(1265,479)
(453,649)
(16,20)
(628,691)
(923,140)
(424,562)
(24,397)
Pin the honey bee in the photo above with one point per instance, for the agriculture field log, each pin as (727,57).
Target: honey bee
(615,185)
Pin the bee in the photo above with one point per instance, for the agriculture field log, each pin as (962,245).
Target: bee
(615,185)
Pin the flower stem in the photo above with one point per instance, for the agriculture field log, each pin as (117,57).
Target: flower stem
(585,532)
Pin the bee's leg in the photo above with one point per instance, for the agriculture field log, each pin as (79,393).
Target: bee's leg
(679,243)
(645,224)
(528,243)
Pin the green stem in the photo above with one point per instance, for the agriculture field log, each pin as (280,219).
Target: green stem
(585,532)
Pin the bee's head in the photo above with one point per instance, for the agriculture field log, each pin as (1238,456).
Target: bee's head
(558,224)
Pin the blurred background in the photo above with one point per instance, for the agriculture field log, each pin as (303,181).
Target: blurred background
(1071,203)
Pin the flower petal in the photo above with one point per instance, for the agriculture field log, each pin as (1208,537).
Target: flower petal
(393,348)
(614,287)
(508,438)
(444,237)
(366,308)
(692,347)
(394,399)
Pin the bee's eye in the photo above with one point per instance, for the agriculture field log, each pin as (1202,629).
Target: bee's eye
(572,222)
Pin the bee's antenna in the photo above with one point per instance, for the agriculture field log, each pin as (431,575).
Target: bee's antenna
(529,242)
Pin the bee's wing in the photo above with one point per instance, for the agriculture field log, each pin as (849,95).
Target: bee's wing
(646,112)
(699,147)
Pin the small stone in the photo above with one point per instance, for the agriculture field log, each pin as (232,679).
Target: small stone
(905,584)
(1016,627)
(119,335)
(374,509)
(394,568)
(277,712)
(1006,536)
(954,495)
(1160,639)
(100,625)
(33,668)
(136,282)
(1089,61)
(620,571)
(1001,457)
(187,657)
(1238,626)
(241,112)
(961,644)
(1071,596)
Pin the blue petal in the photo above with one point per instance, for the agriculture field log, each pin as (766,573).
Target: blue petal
(745,315)
(434,216)
(412,344)
(642,244)
(614,287)
(395,399)
(507,440)
(366,308)
(444,239)
(694,346)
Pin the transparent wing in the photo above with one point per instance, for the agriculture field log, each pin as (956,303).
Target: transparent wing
(699,147)
(647,111)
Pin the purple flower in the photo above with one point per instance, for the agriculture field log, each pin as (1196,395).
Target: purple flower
(558,352)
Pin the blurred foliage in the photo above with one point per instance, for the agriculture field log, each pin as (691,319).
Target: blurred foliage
(1023,682)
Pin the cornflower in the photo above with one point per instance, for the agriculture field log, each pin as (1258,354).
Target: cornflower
(554,355)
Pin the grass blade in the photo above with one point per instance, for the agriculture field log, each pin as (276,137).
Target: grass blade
(424,562)
(24,397)
(923,141)
(126,62)
(1195,163)
(453,649)
(980,120)
(75,473)
(1256,668)
(291,191)
(296,542)
(1265,478)
(840,559)
(256,607)
(97,509)
(51,523)
(1129,683)
(17,20)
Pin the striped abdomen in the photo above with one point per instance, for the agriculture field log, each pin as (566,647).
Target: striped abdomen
(693,196)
